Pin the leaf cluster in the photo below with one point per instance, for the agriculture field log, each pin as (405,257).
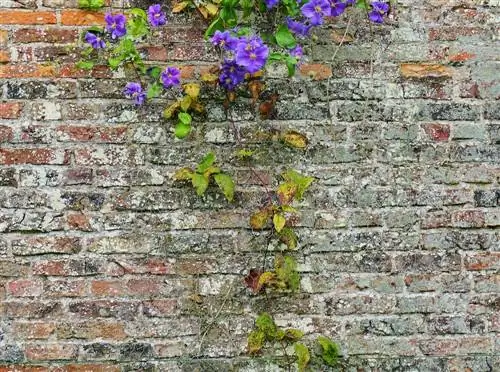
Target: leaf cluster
(202,175)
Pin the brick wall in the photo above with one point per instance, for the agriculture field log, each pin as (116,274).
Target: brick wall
(106,264)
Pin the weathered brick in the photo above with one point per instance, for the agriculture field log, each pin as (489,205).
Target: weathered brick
(38,352)
(81,18)
(45,35)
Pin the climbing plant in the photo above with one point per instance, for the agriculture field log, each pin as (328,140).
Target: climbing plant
(248,35)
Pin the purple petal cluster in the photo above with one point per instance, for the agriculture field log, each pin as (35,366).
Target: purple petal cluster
(94,40)
(379,10)
(134,91)
(231,74)
(156,17)
(337,7)
(297,28)
(224,40)
(170,77)
(297,52)
(251,53)
(315,10)
(115,25)
(271,3)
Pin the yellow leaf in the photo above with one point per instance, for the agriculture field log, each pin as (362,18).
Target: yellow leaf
(192,90)
(286,191)
(198,107)
(170,110)
(295,139)
(259,219)
(209,78)
(265,279)
(203,11)
(186,103)
(183,174)
(179,7)
(212,9)
(279,222)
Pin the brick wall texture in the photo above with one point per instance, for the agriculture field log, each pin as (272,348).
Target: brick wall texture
(107,264)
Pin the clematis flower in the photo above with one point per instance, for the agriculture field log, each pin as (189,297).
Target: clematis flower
(115,24)
(271,3)
(315,10)
(94,40)
(297,28)
(337,7)
(379,10)
(156,17)
(231,74)
(134,91)
(251,53)
(170,77)
(297,52)
(224,40)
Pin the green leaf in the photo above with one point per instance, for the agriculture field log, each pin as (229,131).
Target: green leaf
(211,170)
(276,57)
(279,222)
(293,334)
(226,184)
(362,4)
(228,15)
(206,162)
(182,130)
(291,64)
(154,91)
(255,341)
(217,24)
(284,38)
(286,271)
(286,192)
(259,219)
(114,62)
(91,4)
(288,237)
(303,356)
(200,183)
(244,153)
(184,118)
(330,350)
(265,324)
(302,182)
(154,72)
(85,65)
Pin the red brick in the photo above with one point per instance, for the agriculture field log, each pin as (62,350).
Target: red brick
(21,368)
(20,17)
(10,110)
(65,288)
(69,70)
(160,308)
(436,219)
(42,245)
(468,218)
(6,134)
(438,132)
(108,288)
(143,287)
(92,133)
(4,56)
(45,35)
(82,18)
(24,288)
(33,156)
(50,351)
(78,221)
(482,261)
(32,330)
(89,368)
(78,176)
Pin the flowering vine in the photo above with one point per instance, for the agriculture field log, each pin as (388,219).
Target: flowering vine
(248,35)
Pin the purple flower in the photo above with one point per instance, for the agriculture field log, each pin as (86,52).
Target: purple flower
(315,10)
(224,40)
(337,7)
(155,16)
(271,3)
(94,40)
(231,74)
(379,9)
(170,77)
(115,24)
(298,28)
(134,91)
(251,53)
(297,52)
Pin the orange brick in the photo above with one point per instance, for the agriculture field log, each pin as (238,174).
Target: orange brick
(4,56)
(425,70)
(21,17)
(10,110)
(82,18)
(317,71)
(4,37)
(30,330)
(27,71)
